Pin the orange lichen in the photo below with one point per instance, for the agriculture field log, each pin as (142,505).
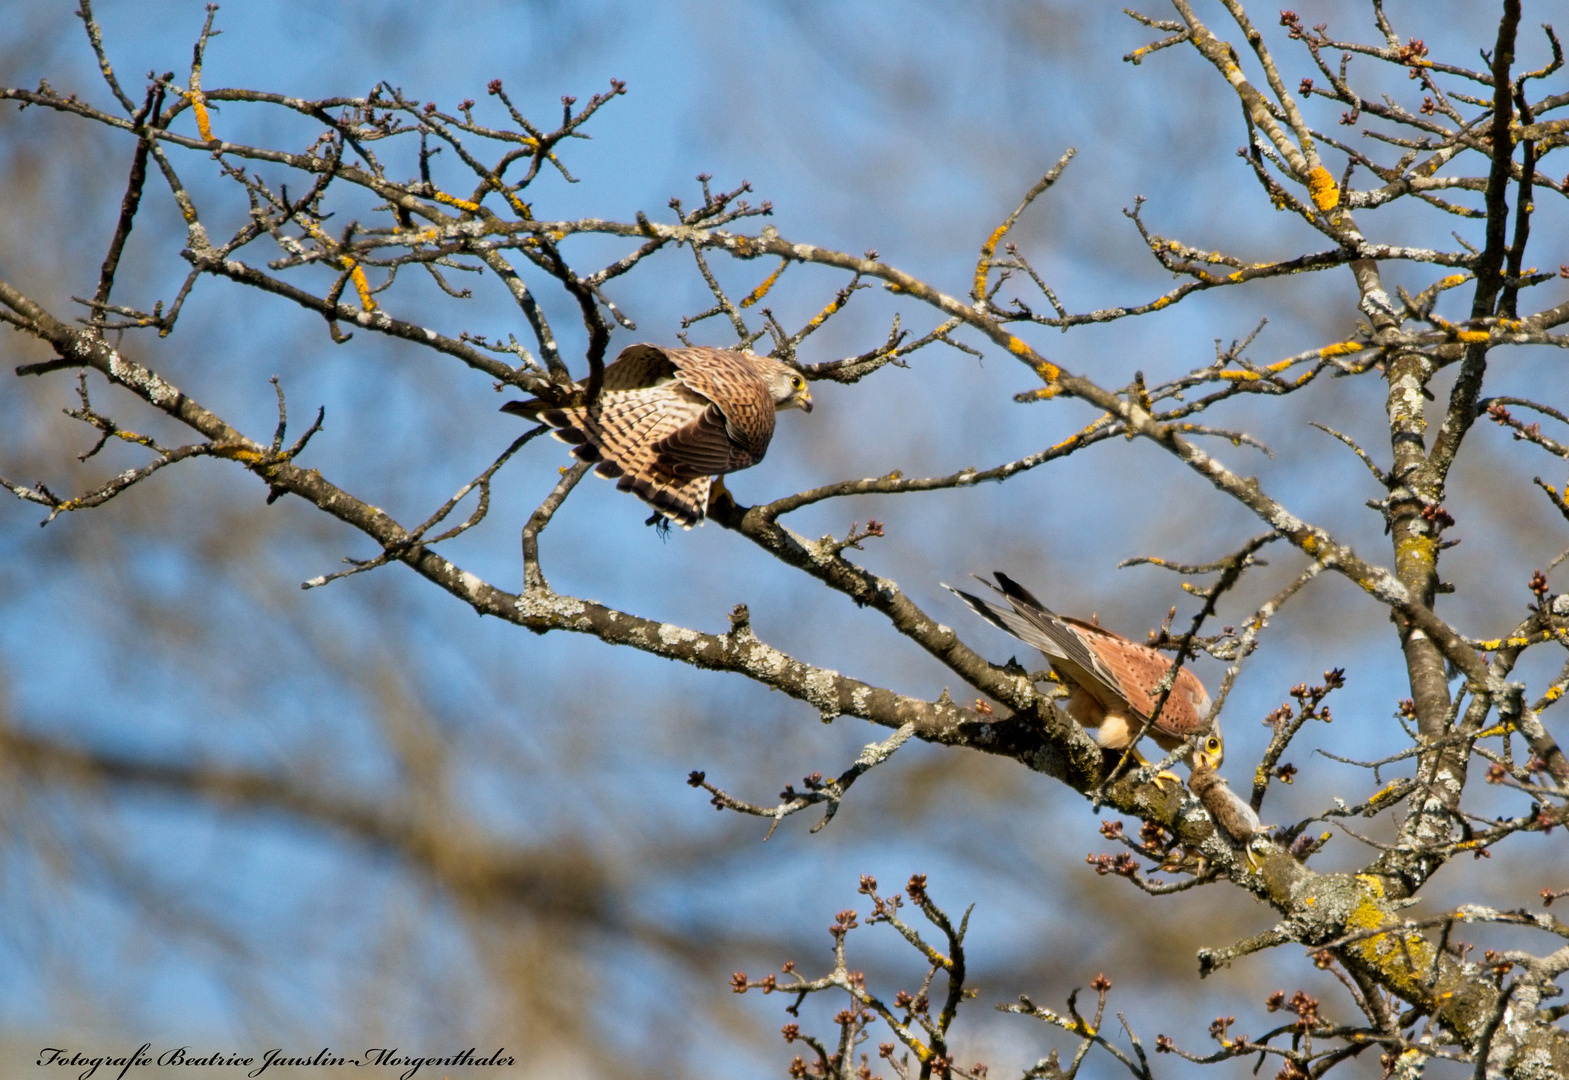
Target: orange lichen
(822,316)
(1322,187)
(453,200)
(984,264)
(519,207)
(203,122)
(768,283)
(361,285)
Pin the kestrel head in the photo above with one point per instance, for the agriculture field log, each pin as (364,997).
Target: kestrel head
(787,385)
(1209,750)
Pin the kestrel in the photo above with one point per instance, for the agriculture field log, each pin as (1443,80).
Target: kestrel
(1111,681)
(667,421)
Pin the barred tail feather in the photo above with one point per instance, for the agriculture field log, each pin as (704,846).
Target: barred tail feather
(683,501)
(619,449)
(529,409)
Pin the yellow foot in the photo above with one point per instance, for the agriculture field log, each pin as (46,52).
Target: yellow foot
(1254,862)
(1161,778)
(718,495)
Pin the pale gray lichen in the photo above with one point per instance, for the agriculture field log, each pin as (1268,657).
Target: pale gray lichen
(822,690)
(472,585)
(537,604)
(671,634)
(766,661)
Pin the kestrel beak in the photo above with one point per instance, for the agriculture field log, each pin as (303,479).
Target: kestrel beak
(1210,752)
(804,399)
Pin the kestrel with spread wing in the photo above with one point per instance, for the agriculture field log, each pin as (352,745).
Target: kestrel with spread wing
(1111,681)
(667,421)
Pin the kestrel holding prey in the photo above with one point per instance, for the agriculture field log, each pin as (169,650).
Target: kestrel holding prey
(1111,681)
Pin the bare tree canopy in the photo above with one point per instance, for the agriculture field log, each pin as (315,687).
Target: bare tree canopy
(1218,453)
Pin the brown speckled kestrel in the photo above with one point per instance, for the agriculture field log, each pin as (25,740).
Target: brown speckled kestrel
(667,421)
(1111,681)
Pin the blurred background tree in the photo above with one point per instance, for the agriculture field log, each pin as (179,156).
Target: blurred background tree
(241,814)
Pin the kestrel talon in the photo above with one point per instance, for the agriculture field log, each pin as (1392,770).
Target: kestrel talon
(667,421)
(1111,681)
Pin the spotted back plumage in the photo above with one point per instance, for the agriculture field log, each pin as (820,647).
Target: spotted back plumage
(1121,675)
(667,421)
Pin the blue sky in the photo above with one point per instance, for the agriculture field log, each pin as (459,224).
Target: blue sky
(174,631)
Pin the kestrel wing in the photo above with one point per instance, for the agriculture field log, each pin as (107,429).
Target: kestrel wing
(623,426)
(1139,670)
(638,366)
(1061,645)
(701,448)
(732,381)
(1013,590)
(1068,643)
